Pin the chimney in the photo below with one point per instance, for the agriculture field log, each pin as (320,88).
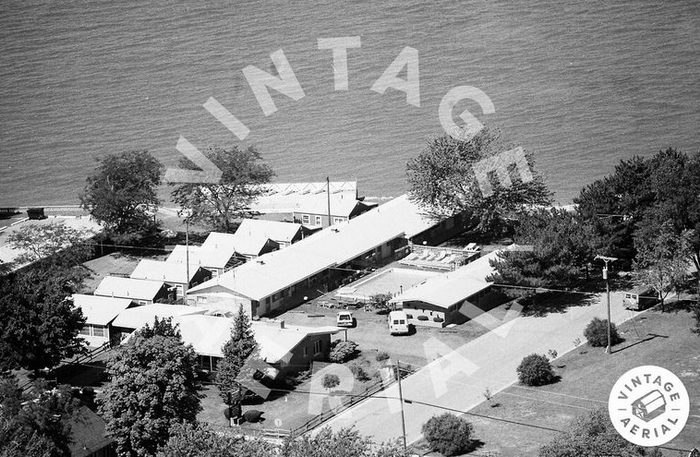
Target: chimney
(282,324)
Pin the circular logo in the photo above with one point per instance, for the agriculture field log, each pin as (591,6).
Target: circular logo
(649,406)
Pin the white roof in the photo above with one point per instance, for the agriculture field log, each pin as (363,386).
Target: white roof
(331,246)
(274,230)
(224,245)
(450,288)
(342,205)
(208,334)
(100,310)
(135,289)
(285,197)
(139,316)
(156,270)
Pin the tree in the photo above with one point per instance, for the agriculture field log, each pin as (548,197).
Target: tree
(153,386)
(449,434)
(662,259)
(37,241)
(345,442)
(38,424)
(122,193)
(194,440)
(218,205)
(442,180)
(562,243)
(238,350)
(40,326)
(593,435)
(664,187)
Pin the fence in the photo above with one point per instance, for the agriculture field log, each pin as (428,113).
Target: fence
(351,400)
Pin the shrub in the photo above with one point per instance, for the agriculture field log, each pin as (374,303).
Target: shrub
(330,381)
(535,370)
(252,415)
(359,372)
(382,356)
(597,333)
(438,319)
(422,318)
(342,351)
(448,434)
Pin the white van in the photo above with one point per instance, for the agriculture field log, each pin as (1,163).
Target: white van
(398,323)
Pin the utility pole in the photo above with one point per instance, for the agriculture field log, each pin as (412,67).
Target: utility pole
(403,419)
(328,193)
(608,350)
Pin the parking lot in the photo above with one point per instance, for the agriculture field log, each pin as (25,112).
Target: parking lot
(372,334)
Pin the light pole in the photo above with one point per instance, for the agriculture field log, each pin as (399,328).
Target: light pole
(605,259)
(403,419)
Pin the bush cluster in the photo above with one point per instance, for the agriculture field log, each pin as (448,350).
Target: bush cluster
(359,372)
(342,351)
(535,370)
(448,434)
(382,356)
(597,333)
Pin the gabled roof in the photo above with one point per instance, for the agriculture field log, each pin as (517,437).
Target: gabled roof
(135,289)
(331,246)
(208,334)
(156,270)
(139,316)
(227,244)
(100,310)
(87,433)
(450,288)
(342,205)
(274,230)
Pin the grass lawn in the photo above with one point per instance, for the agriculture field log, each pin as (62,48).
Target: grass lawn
(587,376)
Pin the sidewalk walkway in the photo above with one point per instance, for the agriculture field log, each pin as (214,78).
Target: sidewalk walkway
(458,379)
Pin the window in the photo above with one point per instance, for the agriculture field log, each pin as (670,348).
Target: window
(338,220)
(306,351)
(85,330)
(317,347)
(98,330)
(201,299)
(318,221)
(409,316)
(305,219)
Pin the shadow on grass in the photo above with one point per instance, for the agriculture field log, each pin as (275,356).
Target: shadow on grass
(540,305)
(649,337)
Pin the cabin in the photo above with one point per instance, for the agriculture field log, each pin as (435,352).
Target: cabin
(314,211)
(135,318)
(284,234)
(174,275)
(140,291)
(287,349)
(450,298)
(99,313)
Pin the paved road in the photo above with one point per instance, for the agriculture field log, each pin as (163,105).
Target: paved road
(458,378)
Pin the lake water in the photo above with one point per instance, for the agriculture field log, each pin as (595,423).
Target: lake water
(580,84)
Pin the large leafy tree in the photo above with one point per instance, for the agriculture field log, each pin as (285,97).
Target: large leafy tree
(239,351)
(39,326)
(664,187)
(37,241)
(443,181)
(218,205)
(36,424)
(556,248)
(593,435)
(662,257)
(153,386)
(122,193)
(195,440)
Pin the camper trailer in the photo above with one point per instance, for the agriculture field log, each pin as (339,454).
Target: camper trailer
(640,298)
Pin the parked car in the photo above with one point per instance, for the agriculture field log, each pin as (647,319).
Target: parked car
(345,319)
(398,323)
(640,298)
